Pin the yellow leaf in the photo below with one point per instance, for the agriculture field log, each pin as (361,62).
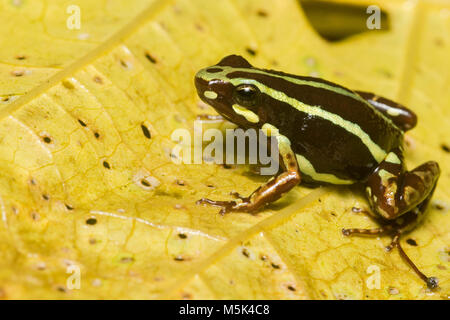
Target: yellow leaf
(90,194)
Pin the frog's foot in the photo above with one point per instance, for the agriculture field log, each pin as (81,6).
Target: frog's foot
(371,232)
(226,206)
(396,229)
(245,205)
(431,282)
(237,195)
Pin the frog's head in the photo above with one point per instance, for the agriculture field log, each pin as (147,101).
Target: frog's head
(225,87)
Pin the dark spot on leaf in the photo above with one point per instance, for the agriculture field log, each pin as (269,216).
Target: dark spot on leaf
(182,236)
(186,296)
(178,258)
(245,253)
(92,241)
(126,259)
(68,85)
(146,132)
(17,73)
(227,166)
(69,207)
(47,139)
(438,206)
(411,242)
(275,266)
(20,57)
(180,182)
(210,186)
(97,135)
(123,63)
(251,51)
(291,288)
(82,123)
(106,165)
(5,99)
(145,183)
(199,27)
(98,79)
(445,147)
(35,216)
(262,13)
(61,289)
(45,197)
(150,58)
(91,221)
(263,257)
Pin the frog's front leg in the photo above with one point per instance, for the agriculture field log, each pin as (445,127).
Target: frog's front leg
(400,197)
(269,192)
(403,118)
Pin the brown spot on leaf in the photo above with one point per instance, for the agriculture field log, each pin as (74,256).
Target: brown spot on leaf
(106,165)
(127,260)
(292,288)
(150,58)
(261,13)
(98,79)
(145,183)
(91,221)
(68,85)
(146,132)
(251,51)
(17,73)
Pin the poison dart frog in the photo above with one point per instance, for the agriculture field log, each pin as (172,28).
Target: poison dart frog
(326,134)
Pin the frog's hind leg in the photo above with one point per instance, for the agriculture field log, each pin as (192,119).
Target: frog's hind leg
(402,117)
(401,198)
(392,190)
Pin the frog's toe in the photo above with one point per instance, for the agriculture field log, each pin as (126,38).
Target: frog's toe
(237,195)
(226,206)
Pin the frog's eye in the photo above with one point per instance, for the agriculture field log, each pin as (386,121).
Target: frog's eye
(246,95)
